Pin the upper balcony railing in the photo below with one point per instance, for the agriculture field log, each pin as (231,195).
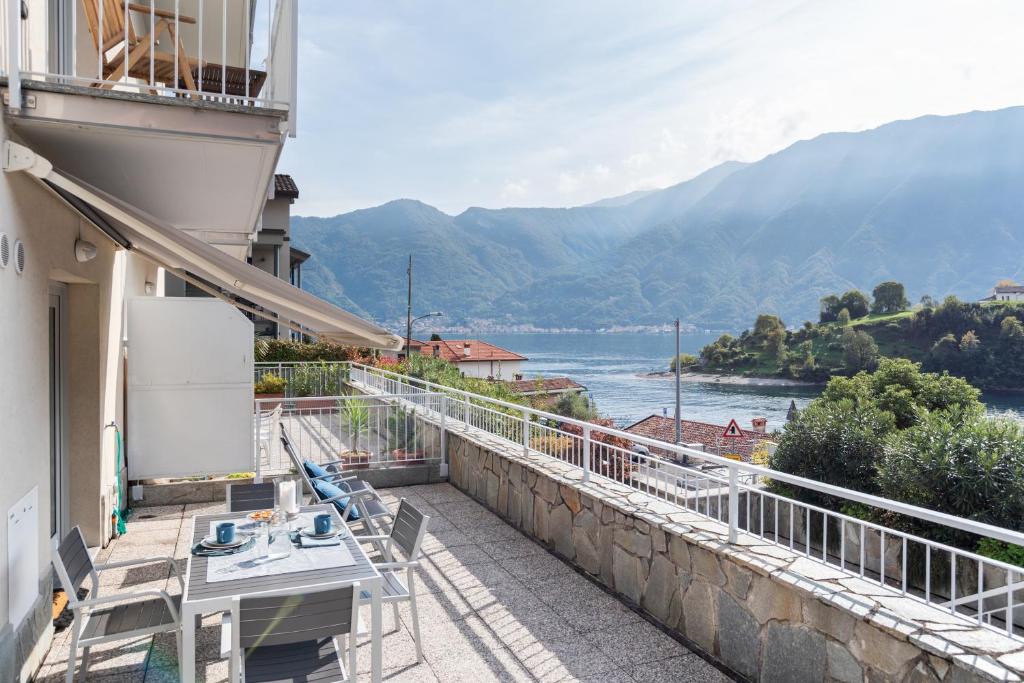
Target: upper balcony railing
(750,499)
(234,51)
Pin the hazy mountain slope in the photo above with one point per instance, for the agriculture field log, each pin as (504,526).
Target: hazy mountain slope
(930,202)
(467,265)
(935,202)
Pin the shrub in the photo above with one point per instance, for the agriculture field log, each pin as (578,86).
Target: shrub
(287,351)
(685,360)
(317,379)
(960,463)
(269,383)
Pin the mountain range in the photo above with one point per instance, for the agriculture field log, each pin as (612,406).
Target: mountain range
(934,202)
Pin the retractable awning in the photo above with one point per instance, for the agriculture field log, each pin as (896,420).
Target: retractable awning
(181,253)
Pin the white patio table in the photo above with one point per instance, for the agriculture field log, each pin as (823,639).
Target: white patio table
(206,594)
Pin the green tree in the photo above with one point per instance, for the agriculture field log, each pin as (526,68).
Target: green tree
(962,464)
(859,350)
(844,317)
(855,302)
(775,345)
(684,360)
(768,324)
(830,307)
(835,442)
(889,297)
(435,337)
(574,405)
(927,301)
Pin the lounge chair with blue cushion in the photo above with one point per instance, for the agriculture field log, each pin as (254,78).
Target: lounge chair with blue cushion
(355,499)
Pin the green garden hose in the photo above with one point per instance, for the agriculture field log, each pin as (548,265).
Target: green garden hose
(119,517)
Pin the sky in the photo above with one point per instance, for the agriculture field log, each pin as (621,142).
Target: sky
(564,102)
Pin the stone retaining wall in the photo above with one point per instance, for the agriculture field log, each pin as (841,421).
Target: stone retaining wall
(765,612)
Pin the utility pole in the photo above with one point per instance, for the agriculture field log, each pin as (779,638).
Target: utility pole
(679,416)
(408,312)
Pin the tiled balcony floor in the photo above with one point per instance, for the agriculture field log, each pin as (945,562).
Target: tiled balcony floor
(494,606)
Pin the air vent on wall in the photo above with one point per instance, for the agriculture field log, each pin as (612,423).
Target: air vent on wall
(5,250)
(19,256)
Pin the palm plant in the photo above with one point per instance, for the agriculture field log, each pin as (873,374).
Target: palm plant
(356,416)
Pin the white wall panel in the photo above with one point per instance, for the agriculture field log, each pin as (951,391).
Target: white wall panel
(189,388)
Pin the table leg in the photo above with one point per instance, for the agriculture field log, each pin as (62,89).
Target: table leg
(187,665)
(376,635)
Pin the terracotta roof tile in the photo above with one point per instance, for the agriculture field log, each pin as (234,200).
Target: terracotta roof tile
(284,186)
(544,385)
(453,351)
(710,435)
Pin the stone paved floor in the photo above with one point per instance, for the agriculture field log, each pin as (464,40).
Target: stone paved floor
(494,606)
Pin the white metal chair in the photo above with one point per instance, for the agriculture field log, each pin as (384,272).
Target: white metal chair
(101,619)
(407,535)
(295,637)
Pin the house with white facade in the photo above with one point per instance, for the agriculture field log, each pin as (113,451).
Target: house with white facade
(474,358)
(1006,292)
(118,184)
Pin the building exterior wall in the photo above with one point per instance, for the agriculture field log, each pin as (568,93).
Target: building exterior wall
(93,394)
(506,369)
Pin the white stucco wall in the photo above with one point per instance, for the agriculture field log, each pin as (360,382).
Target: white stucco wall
(95,317)
(496,369)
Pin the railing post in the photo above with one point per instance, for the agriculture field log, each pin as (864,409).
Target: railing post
(734,503)
(465,410)
(444,435)
(14,55)
(526,432)
(257,464)
(586,453)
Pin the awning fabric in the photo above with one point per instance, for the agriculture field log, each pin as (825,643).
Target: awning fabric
(176,250)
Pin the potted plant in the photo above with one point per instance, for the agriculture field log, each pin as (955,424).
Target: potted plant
(311,382)
(403,439)
(270,386)
(355,418)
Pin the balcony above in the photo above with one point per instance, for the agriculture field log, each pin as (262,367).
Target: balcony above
(191,133)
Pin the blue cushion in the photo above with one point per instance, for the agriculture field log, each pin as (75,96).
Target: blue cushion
(325,490)
(313,470)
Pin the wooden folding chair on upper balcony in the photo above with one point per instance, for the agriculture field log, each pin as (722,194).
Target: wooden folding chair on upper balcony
(122,49)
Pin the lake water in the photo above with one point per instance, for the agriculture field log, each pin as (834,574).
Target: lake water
(611,367)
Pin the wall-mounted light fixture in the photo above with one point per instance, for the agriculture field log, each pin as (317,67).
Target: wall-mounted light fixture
(84,251)
(150,288)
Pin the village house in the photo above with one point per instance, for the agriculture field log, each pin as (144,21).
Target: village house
(1006,292)
(545,391)
(709,436)
(474,358)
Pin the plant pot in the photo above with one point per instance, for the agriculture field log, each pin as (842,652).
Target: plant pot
(314,403)
(409,458)
(269,405)
(355,460)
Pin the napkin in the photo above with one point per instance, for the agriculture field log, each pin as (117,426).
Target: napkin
(307,542)
(200,550)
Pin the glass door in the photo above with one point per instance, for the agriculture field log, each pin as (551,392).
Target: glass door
(58,412)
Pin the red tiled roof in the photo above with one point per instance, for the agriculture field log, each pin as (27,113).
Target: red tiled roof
(453,351)
(284,186)
(544,385)
(664,428)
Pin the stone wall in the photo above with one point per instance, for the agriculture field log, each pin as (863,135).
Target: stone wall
(765,612)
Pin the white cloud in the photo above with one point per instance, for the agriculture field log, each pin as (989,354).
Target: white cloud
(562,103)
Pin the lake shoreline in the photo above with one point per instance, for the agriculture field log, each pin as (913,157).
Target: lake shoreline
(738,380)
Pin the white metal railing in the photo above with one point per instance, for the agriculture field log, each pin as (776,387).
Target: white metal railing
(323,378)
(735,493)
(236,51)
(360,432)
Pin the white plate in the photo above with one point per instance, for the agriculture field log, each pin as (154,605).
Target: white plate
(212,543)
(308,533)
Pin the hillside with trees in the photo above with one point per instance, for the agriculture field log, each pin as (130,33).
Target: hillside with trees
(981,342)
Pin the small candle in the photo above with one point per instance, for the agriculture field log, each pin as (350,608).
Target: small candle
(286,496)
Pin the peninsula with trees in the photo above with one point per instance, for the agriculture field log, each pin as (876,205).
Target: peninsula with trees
(982,342)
